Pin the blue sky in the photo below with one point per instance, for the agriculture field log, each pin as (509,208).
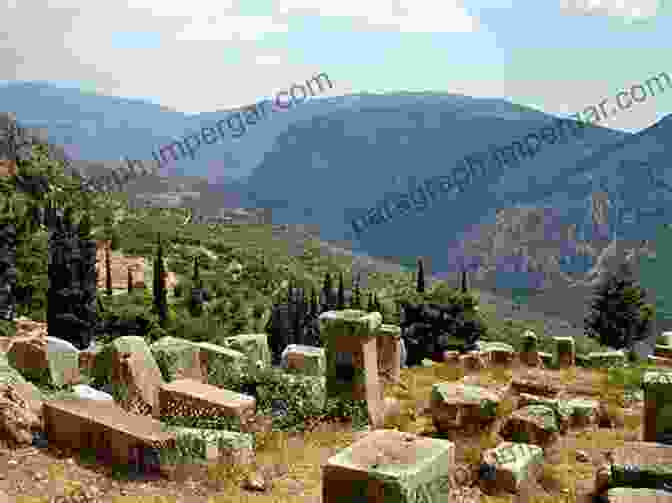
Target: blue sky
(558,56)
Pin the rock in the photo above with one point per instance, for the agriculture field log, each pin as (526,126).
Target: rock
(179,359)
(306,360)
(255,482)
(457,405)
(582,457)
(230,446)
(500,353)
(474,361)
(534,424)
(86,392)
(17,420)
(607,359)
(128,364)
(34,359)
(584,412)
(514,462)
(561,408)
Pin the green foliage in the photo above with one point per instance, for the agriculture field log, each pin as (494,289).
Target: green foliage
(7,328)
(619,315)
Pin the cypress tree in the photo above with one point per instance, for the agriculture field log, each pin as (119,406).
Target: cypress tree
(108,272)
(196,277)
(421,277)
(464,281)
(370,306)
(160,297)
(314,310)
(341,293)
(356,295)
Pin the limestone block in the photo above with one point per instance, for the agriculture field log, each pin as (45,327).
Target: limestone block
(388,466)
(457,405)
(34,359)
(561,408)
(657,404)
(514,462)
(389,351)
(179,359)
(500,353)
(221,362)
(305,360)
(534,424)
(209,445)
(584,412)
(607,359)
(566,351)
(254,346)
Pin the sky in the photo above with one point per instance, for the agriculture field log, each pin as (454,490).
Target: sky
(558,56)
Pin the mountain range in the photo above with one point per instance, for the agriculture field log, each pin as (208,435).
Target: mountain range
(322,164)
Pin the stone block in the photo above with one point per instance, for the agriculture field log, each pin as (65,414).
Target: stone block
(534,424)
(607,359)
(475,361)
(500,353)
(221,362)
(528,385)
(190,398)
(663,350)
(514,462)
(657,404)
(389,352)
(561,408)
(105,427)
(546,358)
(664,339)
(585,412)
(641,464)
(305,360)
(128,364)
(34,360)
(530,341)
(566,351)
(638,495)
(179,359)
(215,445)
(388,466)
(659,361)
(457,405)
(254,346)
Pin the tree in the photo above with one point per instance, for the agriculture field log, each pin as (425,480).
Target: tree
(196,277)
(341,293)
(160,294)
(129,279)
(327,289)
(464,281)
(314,308)
(356,295)
(421,277)
(619,316)
(108,272)
(370,306)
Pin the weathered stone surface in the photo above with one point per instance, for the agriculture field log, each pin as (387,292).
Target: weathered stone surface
(657,404)
(638,495)
(86,392)
(607,359)
(534,424)
(128,364)
(179,359)
(584,412)
(659,361)
(104,426)
(209,445)
(534,387)
(254,346)
(475,361)
(561,408)
(220,362)
(546,358)
(389,352)
(457,405)
(514,462)
(566,350)
(18,418)
(500,353)
(32,357)
(641,464)
(306,360)
(189,398)
(388,466)
(87,360)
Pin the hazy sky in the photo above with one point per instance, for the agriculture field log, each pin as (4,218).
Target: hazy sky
(558,56)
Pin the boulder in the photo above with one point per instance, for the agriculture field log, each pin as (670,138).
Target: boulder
(514,462)
(221,362)
(128,365)
(210,445)
(474,361)
(388,465)
(254,346)
(179,359)
(534,424)
(306,360)
(562,410)
(457,405)
(607,359)
(51,362)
